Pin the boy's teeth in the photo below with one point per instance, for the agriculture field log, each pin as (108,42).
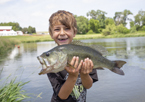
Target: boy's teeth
(62,39)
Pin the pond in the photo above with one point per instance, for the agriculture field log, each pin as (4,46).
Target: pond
(23,64)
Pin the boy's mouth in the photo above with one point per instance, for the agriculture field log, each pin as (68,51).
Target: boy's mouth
(62,39)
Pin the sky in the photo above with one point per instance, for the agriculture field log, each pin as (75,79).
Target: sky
(36,13)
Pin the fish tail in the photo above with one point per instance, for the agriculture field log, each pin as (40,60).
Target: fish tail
(117,66)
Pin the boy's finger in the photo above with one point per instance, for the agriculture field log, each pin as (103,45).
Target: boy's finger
(80,65)
(76,62)
(92,65)
(88,66)
(73,61)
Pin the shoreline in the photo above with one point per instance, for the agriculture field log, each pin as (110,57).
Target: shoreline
(42,38)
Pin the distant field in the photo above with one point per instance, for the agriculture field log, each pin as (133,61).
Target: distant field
(40,38)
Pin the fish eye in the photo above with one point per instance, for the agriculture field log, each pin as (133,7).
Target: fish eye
(47,54)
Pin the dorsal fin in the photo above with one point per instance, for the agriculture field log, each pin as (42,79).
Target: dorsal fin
(98,48)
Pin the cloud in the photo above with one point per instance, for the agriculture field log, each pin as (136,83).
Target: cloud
(30,1)
(4,1)
(88,1)
(37,13)
(50,6)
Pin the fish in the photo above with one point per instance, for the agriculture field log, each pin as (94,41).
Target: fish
(56,59)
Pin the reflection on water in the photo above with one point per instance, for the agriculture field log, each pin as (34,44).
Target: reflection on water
(111,87)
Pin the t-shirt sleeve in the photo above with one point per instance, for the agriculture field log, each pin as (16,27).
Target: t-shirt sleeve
(94,75)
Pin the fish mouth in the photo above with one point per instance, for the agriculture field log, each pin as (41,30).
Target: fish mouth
(46,66)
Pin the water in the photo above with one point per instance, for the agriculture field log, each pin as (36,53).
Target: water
(23,64)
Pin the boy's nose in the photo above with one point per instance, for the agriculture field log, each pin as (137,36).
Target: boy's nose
(62,31)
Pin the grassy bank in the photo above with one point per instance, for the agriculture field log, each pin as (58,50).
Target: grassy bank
(40,38)
(6,45)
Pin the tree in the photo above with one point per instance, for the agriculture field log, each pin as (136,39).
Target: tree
(15,26)
(94,25)
(98,15)
(109,21)
(31,30)
(117,18)
(131,24)
(126,13)
(25,30)
(82,24)
(140,20)
(122,17)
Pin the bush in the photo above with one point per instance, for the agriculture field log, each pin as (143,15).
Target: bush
(106,32)
(90,32)
(133,29)
(143,28)
(121,29)
(110,29)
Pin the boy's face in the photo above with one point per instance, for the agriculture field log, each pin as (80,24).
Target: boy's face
(62,34)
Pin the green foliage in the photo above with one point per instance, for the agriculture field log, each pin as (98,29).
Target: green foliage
(12,92)
(110,29)
(143,28)
(98,15)
(133,29)
(131,24)
(94,25)
(109,21)
(90,32)
(82,24)
(31,30)
(16,27)
(122,17)
(140,20)
(6,45)
(121,29)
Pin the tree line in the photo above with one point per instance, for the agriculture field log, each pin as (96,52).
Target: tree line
(99,23)
(17,27)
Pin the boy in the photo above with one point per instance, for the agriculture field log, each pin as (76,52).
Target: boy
(70,84)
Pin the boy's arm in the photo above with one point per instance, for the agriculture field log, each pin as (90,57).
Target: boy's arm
(67,87)
(87,67)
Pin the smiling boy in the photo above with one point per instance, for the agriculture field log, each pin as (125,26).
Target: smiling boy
(70,84)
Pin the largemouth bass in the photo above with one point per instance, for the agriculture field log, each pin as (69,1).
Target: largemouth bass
(59,57)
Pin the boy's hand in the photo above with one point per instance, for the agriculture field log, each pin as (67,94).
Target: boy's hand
(77,66)
(87,67)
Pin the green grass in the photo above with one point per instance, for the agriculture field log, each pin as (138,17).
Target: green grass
(6,45)
(40,38)
(12,91)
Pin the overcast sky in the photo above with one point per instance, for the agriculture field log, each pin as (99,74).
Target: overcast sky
(36,13)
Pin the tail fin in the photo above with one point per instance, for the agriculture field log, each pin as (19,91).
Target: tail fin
(118,65)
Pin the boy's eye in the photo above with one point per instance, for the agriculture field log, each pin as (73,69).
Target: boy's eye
(67,28)
(56,29)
